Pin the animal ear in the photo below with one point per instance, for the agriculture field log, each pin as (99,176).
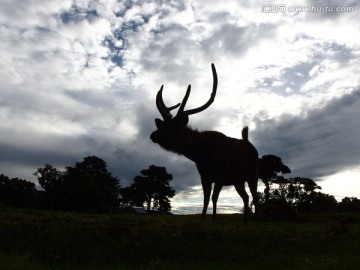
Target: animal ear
(159,123)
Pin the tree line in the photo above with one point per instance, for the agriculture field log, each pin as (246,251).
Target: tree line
(282,197)
(88,186)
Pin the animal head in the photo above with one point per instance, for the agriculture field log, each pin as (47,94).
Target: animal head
(170,133)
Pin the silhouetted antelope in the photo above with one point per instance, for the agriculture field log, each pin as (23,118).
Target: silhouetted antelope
(219,159)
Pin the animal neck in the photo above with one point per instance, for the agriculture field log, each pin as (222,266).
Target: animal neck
(189,144)
(192,143)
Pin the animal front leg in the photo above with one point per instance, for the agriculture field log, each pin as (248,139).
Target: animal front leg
(207,191)
(215,196)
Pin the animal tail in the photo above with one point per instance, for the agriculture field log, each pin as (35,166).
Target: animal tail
(245,134)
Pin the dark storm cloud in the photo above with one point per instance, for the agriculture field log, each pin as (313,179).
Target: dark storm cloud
(323,142)
(35,150)
(34,157)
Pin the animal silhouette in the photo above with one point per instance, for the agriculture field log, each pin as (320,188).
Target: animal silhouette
(220,159)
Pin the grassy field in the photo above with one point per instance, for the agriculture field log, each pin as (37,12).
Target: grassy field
(57,240)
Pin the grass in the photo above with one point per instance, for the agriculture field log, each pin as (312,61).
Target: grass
(58,240)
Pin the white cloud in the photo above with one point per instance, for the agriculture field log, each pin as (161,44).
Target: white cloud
(342,184)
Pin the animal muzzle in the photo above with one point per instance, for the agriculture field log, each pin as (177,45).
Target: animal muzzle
(154,137)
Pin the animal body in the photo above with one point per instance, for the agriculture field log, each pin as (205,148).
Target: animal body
(220,160)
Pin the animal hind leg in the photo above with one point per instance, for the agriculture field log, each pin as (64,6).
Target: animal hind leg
(240,188)
(253,189)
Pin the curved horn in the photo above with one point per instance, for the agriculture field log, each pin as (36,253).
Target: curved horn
(164,111)
(183,103)
(208,103)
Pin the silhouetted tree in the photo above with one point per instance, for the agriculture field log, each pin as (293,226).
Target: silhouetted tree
(321,202)
(302,193)
(17,192)
(52,181)
(88,186)
(49,177)
(295,191)
(349,204)
(287,196)
(151,187)
(269,168)
(131,196)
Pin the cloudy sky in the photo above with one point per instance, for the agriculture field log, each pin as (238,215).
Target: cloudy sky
(79,78)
